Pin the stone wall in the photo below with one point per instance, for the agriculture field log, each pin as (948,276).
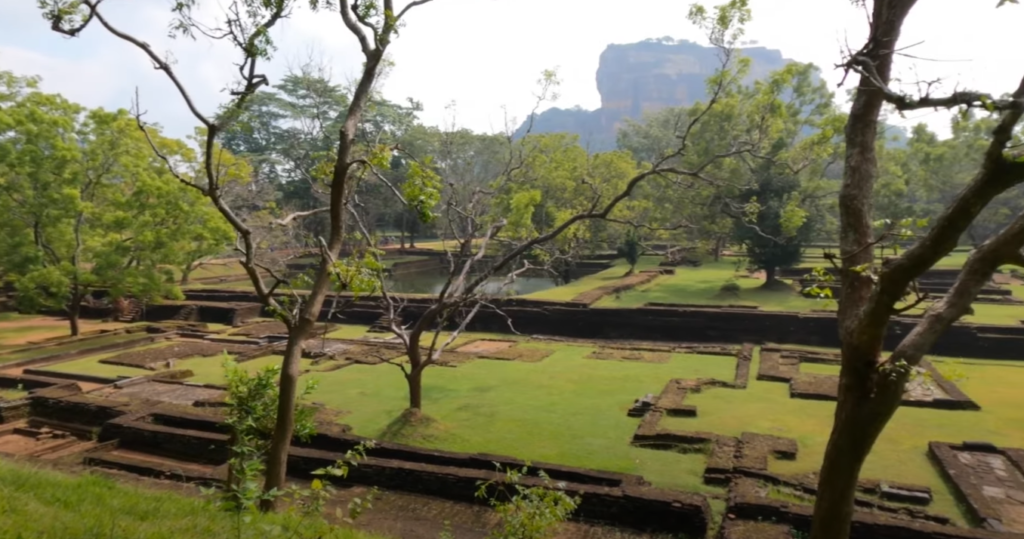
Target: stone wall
(606,497)
(688,324)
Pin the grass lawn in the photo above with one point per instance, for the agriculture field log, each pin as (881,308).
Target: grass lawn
(565,409)
(571,410)
(901,452)
(701,286)
(590,282)
(72,346)
(43,504)
(954,260)
(12,394)
(207,370)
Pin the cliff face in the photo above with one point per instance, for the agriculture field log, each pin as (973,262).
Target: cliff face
(646,76)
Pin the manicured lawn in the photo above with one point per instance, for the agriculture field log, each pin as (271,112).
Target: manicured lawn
(901,452)
(571,410)
(564,409)
(702,286)
(590,282)
(72,346)
(207,370)
(43,504)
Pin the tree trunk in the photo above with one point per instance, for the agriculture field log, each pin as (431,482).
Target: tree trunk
(859,419)
(277,456)
(186,272)
(415,380)
(717,250)
(866,398)
(74,310)
(770,274)
(73,314)
(401,233)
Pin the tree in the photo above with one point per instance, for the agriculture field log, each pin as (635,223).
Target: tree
(631,249)
(247,27)
(778,216)
(776,227)
(871,386)
(83,198)
(547,191)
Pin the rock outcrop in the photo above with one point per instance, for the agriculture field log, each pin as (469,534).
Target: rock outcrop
(641,77)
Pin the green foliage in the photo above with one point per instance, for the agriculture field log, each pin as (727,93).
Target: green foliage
(925,177)
(731,287)
(556,180)
(631,249)
(422,190)
(89,205)
(357,275)
(252,416)
(526,512)
(41,503)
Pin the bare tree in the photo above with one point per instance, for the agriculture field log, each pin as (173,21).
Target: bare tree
(480,253)
(246,26)
(872,386)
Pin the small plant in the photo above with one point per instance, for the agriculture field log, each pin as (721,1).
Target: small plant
(323,490)
(526,512)
(731,287)
(446,531)
(251,416)
(631,249)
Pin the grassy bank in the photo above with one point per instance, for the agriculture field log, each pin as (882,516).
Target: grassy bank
(43,504)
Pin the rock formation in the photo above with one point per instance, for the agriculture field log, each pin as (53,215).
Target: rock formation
(641,77)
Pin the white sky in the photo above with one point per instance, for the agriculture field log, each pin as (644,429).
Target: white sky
(488,54)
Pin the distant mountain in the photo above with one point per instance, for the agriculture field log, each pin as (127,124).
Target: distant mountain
(645,76)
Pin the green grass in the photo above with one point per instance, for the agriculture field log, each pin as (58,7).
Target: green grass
(901,452)
(954,260)
(12,394)
(351,331)
(701,286)
(43,504)
(12,316)
(819,368)
(565,409)
(72,346)
(207,370)
(590,282)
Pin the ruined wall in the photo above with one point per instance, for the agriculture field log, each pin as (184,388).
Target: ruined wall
(689,324)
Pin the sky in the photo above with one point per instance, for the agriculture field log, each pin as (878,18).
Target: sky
(486,56)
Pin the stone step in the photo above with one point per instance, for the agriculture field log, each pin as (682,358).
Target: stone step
(159,467)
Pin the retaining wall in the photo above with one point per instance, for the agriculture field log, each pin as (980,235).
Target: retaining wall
(688,324)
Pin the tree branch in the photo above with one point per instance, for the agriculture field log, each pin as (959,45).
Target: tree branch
(299,215)
(902,102)
(996,175)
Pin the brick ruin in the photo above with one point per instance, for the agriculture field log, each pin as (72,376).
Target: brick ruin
(159,424)
(666,322)
(989,480)
(928,388)
(760,503)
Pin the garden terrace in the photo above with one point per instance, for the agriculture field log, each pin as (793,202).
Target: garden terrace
(709,324)
(550,401)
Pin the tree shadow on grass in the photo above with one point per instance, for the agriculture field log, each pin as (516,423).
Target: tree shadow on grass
(411,427)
